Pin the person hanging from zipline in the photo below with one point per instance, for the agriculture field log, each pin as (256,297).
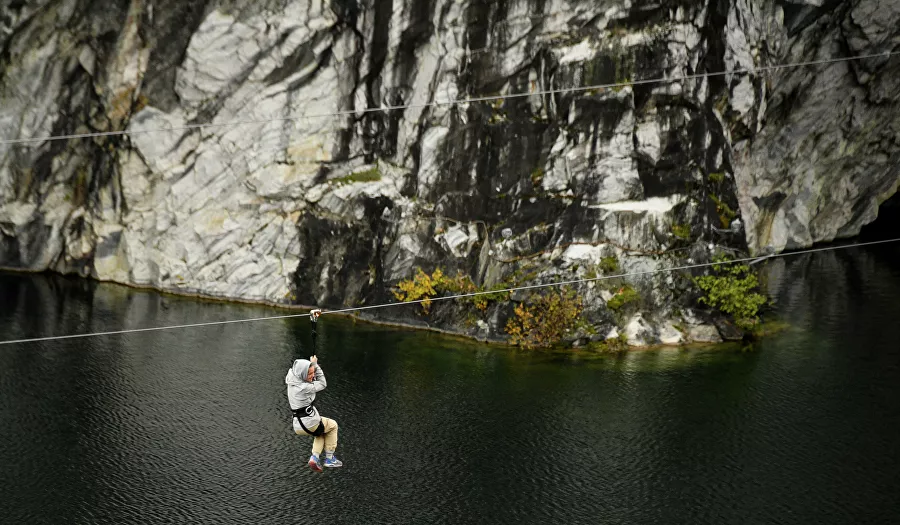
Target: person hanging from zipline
(304,379)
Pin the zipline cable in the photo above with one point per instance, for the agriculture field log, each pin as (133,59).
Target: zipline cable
(449,297)
(886,54)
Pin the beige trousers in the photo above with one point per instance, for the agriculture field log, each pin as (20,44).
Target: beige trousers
(328,440)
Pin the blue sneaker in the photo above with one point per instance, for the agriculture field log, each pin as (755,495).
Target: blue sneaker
(314,463)
(333,462)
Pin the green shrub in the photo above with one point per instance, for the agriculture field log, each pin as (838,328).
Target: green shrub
(731,289)
(609,264)
(483,301)
(682,231)
(423,287)
(370,175)
(614,345)
(545,319)
(726,214)
(716,177)
(624,296)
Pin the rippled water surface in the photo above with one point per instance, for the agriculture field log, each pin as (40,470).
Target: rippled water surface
(191,426)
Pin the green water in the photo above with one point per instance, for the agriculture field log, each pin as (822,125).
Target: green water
(192,426)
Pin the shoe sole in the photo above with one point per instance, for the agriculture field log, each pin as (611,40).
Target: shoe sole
(333,466)
(315,466)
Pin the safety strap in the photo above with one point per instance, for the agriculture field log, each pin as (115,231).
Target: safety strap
(300,413)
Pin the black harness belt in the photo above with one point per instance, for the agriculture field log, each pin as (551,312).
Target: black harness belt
(300,413)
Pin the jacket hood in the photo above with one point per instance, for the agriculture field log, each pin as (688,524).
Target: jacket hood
(300,368)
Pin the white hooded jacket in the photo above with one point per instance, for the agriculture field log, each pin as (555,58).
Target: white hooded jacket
(301,393)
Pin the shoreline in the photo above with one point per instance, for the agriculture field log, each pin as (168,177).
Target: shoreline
(303,310)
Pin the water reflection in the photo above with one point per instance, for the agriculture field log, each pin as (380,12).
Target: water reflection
(192,425)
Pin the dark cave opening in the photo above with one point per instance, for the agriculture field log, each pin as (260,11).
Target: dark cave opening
(887,225)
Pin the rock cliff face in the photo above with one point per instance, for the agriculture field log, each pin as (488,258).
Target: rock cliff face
(319,197)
